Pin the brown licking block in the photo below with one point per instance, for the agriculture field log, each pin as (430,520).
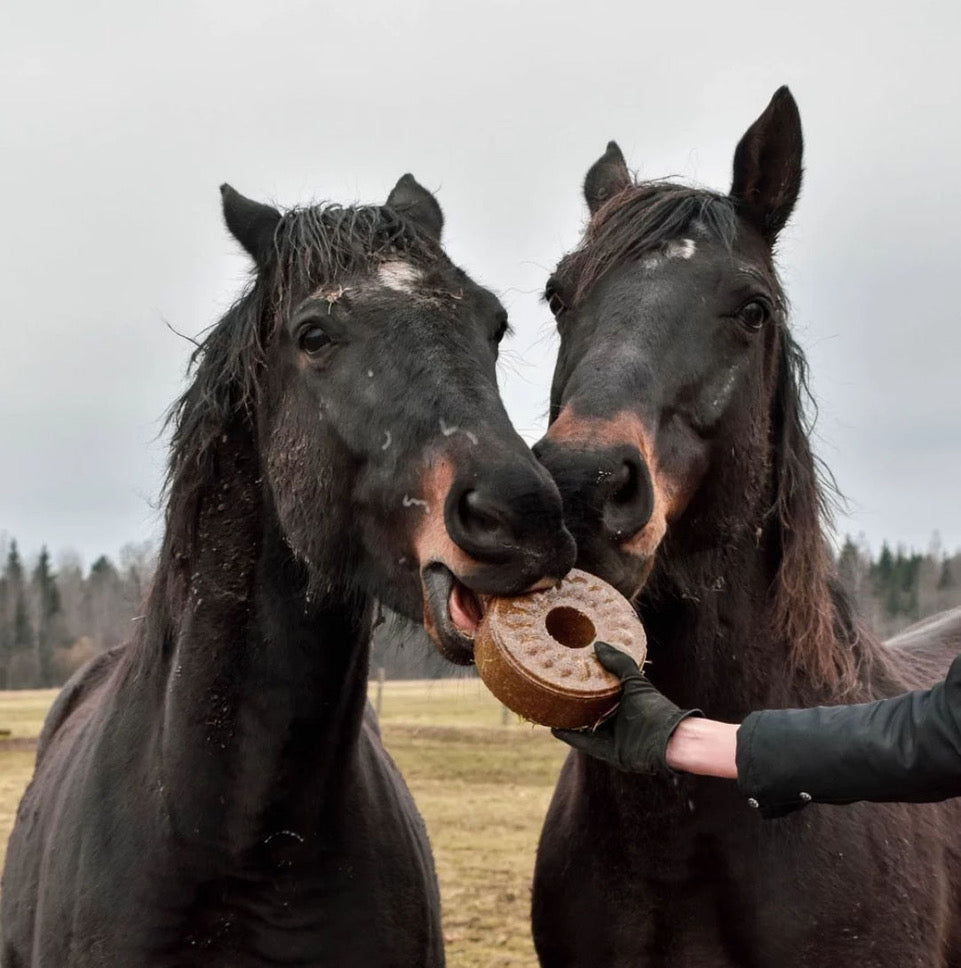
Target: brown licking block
(536,652)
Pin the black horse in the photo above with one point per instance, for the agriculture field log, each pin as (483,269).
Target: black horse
(680,446)
(216,793)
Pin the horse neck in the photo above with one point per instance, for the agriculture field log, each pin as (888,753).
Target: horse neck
(708,620)
(263,687)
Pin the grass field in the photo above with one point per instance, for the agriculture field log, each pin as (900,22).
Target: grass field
(482,786)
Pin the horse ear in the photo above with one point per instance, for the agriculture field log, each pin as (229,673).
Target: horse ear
(250,223)
(767,165)
(411,199)
(606,177)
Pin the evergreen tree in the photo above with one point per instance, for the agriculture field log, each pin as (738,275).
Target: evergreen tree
(50,632)
(6,631)
(849,566)
(14,619)
(22,629)
(13,569)
(910,576)
(883,581)
(884,568)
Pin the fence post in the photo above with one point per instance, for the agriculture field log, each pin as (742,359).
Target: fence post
(380,690)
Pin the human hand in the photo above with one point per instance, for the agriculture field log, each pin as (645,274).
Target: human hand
(635,738)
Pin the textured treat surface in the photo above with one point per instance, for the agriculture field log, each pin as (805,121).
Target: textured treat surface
(536,652)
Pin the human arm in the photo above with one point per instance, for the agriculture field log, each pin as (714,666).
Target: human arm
(703,746)
(905,748)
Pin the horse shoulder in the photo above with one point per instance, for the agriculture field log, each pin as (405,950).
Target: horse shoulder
(78,687)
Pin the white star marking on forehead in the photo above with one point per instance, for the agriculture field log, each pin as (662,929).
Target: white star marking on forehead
(682,249)
(675,249)
(399,275)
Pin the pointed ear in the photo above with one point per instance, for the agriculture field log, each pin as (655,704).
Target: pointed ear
(412,200)
(250,223)
(767,165)
(606,177)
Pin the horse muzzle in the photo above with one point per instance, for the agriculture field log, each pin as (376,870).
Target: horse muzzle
(497,531)
(613,504)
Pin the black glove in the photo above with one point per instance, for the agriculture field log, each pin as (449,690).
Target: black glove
(635,738)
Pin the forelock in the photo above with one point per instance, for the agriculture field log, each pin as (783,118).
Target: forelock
(643,219)
(326,244)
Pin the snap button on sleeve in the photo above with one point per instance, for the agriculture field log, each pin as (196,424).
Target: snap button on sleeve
(753,803)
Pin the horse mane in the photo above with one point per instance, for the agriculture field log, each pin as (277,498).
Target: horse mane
(811,612)
(313,247)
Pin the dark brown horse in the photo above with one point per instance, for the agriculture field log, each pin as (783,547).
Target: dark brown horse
(216,793)
(679,443)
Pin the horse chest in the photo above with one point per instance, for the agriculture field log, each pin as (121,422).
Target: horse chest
(338,918)
(359,891)
(652,882)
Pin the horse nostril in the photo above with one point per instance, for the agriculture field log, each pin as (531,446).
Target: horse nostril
(629,501)
(624,484)
(507,518)
(481,517)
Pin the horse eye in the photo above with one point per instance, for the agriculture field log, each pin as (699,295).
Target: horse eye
(554,302)
(313,339)
(753,315)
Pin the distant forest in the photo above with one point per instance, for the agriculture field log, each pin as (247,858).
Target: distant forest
(54,616)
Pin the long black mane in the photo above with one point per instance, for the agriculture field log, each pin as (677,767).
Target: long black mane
(811,612)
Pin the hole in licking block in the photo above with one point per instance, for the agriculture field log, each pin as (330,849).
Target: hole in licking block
(570,627)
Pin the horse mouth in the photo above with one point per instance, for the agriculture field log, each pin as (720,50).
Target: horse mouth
(452,613)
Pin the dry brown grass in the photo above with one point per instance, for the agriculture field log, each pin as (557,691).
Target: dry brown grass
(23,711)
(482,787)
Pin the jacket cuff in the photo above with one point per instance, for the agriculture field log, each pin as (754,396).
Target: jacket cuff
(753,763)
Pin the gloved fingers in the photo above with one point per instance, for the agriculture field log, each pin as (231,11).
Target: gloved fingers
(616,661)
(598,743)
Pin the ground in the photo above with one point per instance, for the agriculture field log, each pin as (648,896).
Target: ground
(481,780)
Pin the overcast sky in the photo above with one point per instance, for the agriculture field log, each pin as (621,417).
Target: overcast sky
(119,120)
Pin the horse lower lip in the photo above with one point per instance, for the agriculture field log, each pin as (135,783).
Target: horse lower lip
(453,643)
(464,608)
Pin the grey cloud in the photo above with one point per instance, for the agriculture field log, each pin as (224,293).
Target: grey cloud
(119,121)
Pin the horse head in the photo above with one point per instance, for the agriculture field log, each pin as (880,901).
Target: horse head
(664,403)
(362,362)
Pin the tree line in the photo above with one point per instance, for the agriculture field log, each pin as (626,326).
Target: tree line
(899,587)
(56,616)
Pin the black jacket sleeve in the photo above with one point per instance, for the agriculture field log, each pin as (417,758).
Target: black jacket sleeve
(906,748)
